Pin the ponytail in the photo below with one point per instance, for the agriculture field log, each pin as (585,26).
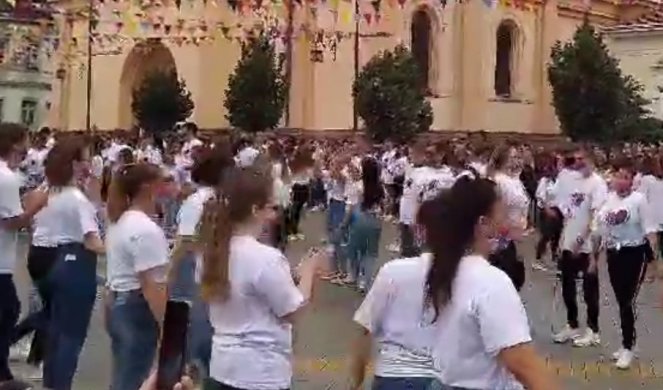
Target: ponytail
(125,184)
(215,230)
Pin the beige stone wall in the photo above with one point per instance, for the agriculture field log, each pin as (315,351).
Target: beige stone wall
(462,70)
(641,56)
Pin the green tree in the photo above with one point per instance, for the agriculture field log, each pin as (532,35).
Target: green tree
(256,92)
(389,98)
(160,101)
(593,99)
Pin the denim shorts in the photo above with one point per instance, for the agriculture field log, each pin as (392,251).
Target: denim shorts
(401,383)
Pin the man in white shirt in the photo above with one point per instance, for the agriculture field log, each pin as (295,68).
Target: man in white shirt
(13,143)
(579,197)
(247,154)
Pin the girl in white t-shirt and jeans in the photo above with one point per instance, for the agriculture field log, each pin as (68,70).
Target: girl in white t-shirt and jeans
(253,299)
(136,262)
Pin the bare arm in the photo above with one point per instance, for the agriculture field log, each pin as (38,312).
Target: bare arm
(528,368)
(154,292)
(361,355)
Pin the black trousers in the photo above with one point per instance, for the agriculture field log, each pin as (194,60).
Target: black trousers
(627,268)
(551,231)
(40,263)
(211,384)
(571,265)
(409,246)
(396,194)
(10,308)
(507,260)
(300,195)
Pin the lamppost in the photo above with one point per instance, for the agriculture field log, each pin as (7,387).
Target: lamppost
(355,114)
(88,94)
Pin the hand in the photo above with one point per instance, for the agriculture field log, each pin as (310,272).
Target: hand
(316,261)
(593,266)
(151,383)
(578,245)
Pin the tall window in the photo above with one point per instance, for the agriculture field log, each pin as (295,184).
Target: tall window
(28,112)
(506,38)
(421,44)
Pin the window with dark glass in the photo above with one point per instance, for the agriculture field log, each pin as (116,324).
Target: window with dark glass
(28,112)
(421,44)
(504,59)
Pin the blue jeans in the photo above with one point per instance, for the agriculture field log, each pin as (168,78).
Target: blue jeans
(335,216)
(73,282)
(134,336)
(363,245)
(401,383)
(183,287)
(200,336)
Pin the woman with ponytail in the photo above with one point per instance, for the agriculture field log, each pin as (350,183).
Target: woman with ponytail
(137,260)
(252,297)
(478,316)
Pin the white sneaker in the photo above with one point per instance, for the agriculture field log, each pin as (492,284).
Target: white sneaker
(625,360)
(618,353)
(589,339)
(300,237)
(565,335)
(20,350)
(539,266)
(36,373)
(395,248)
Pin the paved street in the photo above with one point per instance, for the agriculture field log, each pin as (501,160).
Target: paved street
(324,335)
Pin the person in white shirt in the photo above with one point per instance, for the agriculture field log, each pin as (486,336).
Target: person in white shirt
(395,316)
(73,278)
(253,299)
(416,178)
(247,154)
(477,314)
(579,198)
(503,170)
(13,145)
(33,164)
(192,142)
(301,168)
(136,268)
(550,226)
(626,228)
(186,258)
(651,186)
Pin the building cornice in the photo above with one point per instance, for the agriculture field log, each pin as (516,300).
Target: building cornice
(25,84)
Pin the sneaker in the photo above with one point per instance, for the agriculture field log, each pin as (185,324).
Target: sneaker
(361,286)
(300,237)
(617,354)
(589,339)
(539,266)
(19,351)
(625,360)
(395,248)
(565,335)
(35,373)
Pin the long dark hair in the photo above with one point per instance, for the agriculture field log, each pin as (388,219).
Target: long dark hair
(450,222)
(370,177)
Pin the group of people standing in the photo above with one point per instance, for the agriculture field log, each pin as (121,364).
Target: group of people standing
(208,223)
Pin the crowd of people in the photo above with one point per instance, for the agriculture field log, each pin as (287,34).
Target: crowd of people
(208,222)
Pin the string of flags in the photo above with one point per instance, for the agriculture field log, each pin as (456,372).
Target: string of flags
(117,25)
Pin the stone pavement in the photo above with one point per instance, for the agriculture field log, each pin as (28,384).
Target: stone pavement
(323,338)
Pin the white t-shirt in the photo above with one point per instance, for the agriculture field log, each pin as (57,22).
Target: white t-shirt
(189,216)
(33,164)
(246,156)
(544,192)
(395,313)
(416,180)
(42,228)
(10,207)
(354,190)
(252,346)
(585,198)
(134,244)
(514,197)
(73,216)
(97,166)
(626,221)
(440,179)
(485,316)
(652,188)
(564,186)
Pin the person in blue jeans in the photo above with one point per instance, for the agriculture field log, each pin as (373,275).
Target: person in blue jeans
(365,226)
(136,259)
(186,258)
(73,279)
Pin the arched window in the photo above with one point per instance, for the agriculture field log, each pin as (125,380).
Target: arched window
(421,44)
(504,58)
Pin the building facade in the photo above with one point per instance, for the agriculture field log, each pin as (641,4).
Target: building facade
(639,47)
(28,40)
(484,62)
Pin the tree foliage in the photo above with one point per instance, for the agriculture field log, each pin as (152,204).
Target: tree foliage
(593,99)
(389,98)
(160,101)
(256,92)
